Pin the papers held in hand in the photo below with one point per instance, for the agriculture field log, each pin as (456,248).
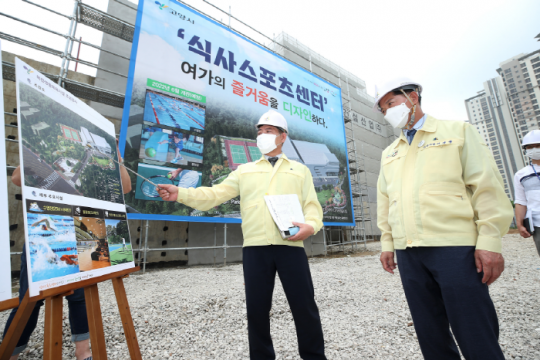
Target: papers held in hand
(285,209)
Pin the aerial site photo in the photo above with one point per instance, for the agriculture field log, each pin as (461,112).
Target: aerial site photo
(64,152)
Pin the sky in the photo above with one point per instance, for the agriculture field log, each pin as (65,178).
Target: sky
(451,48)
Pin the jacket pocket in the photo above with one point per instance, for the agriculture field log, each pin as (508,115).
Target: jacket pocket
(394,217)
(445,209)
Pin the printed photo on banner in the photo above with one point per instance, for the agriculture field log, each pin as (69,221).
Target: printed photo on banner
(72,185)
(64,152)
(161,145)
(52,244)
(119,242)
(176,112)
(225,82)
(146,190)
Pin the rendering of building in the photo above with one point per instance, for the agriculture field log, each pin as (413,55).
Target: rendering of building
(95,140)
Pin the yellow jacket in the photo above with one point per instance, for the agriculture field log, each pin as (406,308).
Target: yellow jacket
(252,181)
(442,190)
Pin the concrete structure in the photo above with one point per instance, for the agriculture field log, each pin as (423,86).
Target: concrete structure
(489,111)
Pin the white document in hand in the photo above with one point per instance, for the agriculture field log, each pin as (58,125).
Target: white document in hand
(285,210)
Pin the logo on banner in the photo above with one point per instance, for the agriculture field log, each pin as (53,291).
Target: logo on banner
(77,211)
(28,71)
(35,207)
(161,6)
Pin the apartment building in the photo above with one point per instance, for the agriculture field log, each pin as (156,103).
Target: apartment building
(490,112)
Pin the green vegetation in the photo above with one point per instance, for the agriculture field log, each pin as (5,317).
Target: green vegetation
(116,233)
(120,256)
(101,161)
(323,196)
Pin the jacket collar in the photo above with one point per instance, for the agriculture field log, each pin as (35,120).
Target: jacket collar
(430,125)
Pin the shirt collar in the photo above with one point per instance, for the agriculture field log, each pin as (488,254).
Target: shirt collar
(268,157)
(265,157)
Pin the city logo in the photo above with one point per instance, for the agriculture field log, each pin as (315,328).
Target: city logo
(77,211)
(106,214)
(28,71)
(35,207)
(161,6)
(34,193)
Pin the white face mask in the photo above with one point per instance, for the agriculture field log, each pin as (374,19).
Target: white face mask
(533,153)
(266,143)
(398,115)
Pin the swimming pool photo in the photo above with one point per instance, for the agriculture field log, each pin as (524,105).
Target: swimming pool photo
(52,246)
(170,111)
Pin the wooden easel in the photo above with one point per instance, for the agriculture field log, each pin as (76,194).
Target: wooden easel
(52,347)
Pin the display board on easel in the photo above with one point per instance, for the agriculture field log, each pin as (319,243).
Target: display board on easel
(5,263)
(74,212)
(75,218)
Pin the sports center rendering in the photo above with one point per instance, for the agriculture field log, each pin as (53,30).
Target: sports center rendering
(174,112)
(323,164)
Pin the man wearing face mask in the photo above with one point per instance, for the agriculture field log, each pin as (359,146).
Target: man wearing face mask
(527,190)
(442,210)
(265,252)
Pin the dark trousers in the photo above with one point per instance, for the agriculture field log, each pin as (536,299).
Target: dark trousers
(291,263)
(444,290)
(77,312)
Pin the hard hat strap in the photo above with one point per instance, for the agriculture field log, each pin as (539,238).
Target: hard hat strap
(411,122)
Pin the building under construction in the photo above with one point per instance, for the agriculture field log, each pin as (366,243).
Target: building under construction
(367,136)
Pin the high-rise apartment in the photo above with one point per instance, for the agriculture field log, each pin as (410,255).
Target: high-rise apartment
(490,112)
(506,110)
(521,76)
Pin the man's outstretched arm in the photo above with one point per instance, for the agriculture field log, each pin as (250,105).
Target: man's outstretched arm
(203,198)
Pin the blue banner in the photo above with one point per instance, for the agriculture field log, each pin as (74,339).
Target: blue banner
(195,91)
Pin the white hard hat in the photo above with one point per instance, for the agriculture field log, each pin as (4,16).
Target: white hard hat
(533,137)
(394,84)
(273,118)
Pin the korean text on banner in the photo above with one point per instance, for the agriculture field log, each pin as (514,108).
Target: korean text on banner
(195,91)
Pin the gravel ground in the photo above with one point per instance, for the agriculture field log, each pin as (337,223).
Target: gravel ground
(199,312)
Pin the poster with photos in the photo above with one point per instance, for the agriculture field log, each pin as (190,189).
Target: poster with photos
(75,217)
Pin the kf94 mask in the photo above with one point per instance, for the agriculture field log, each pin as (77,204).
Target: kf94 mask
(398,115)
(266,143)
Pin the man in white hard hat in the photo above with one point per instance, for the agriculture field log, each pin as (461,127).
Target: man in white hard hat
(265,252)
(442,210)
(527,190)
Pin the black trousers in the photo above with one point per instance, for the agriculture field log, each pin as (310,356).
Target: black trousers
(260,266)
(444,290)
